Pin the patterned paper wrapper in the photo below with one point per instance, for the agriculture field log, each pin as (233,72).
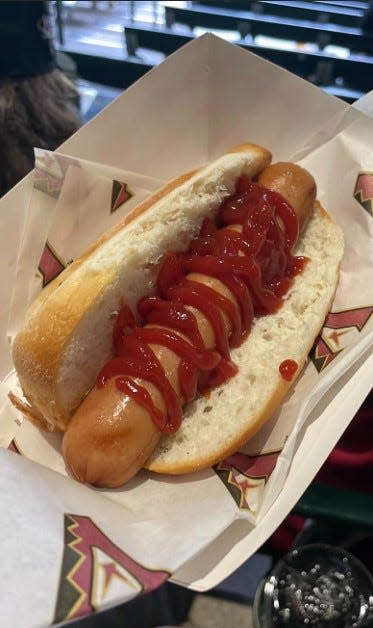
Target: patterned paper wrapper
(106,546)
(73,201)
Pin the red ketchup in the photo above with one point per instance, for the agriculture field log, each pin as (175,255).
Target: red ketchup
(287,369)
(255,263)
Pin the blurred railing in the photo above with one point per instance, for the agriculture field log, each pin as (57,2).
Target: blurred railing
(115,43)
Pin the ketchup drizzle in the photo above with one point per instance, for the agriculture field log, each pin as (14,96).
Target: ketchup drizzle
(248,249)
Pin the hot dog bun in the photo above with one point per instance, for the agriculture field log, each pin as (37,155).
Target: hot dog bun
(216,426)
(67,332)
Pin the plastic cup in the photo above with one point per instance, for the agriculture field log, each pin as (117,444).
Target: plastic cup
(315,585)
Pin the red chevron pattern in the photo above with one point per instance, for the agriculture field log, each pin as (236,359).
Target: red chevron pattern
(338,329)
(95,571)
(50,264)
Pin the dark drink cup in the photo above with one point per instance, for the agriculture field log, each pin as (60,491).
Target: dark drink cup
(315,585)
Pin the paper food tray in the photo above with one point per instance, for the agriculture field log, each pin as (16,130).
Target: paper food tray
(204,99)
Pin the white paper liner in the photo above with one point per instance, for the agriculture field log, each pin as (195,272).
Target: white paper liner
(330,139)
(72,198)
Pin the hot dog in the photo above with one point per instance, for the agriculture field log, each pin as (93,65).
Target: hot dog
(113,432)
